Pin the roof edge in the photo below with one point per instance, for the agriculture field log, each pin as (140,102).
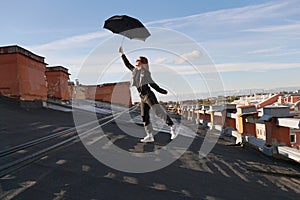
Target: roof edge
(17,49)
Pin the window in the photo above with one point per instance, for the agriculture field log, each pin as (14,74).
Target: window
(293,138)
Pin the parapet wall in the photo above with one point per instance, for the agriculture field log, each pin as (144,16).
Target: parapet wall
(116,93)
(22,74)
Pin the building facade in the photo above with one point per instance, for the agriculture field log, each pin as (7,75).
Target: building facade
(115,93)
(57,83)
(22,74)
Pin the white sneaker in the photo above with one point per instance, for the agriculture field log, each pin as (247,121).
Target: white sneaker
(173,132)
(148,138)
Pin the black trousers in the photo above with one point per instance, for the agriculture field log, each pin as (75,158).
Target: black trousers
(149,101)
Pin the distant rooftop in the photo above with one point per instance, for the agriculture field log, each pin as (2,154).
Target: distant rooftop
(57,69)
(17,49)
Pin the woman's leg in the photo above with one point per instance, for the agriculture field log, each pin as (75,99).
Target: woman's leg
(145,113)
(160,112)
(146,120)
(150,99)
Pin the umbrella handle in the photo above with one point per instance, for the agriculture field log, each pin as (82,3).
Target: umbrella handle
(122,41)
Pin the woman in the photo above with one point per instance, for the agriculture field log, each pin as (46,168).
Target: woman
(141,78)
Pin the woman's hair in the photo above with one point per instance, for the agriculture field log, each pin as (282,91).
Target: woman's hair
(144,62)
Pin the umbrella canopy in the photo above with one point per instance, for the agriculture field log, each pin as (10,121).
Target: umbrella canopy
(127,26)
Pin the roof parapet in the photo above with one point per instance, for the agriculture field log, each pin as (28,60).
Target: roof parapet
(17,49)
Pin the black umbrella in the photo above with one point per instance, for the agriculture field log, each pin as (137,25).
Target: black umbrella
(127,26)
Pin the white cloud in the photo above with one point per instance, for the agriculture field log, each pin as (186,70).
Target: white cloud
(254,66)
(234,15)
(291,28)
(227,67)
(188,57)
(269,50)
(70,42)
(161,60)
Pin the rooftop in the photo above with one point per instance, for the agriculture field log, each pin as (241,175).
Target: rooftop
(17,49)
(63,171)
(56,69)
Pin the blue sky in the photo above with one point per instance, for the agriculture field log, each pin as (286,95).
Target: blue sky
(252,44)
